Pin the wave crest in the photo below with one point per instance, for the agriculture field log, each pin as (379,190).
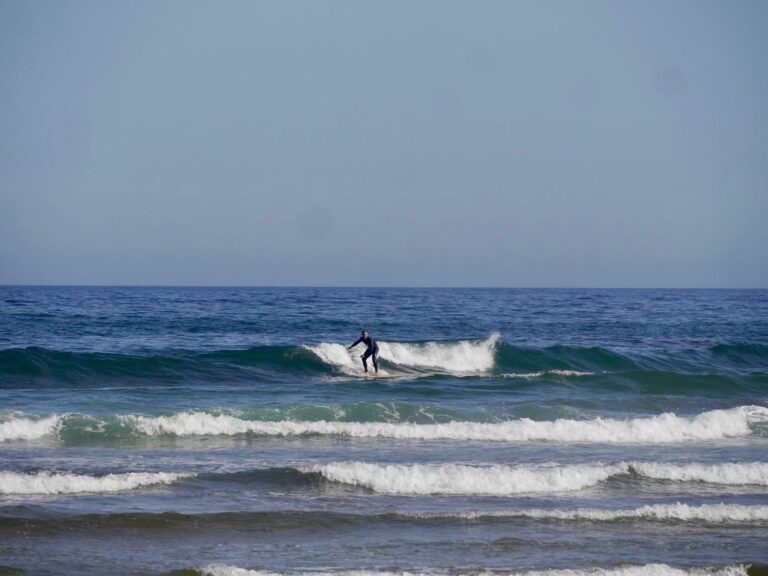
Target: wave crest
(18,483)
(664,428)
(714,513)
(461,357)
(712,425)
(723,367)
(21,428)
(733,474)
(644,570)
(459,479)
(540,373)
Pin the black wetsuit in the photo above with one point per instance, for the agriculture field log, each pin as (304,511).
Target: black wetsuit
(372,349)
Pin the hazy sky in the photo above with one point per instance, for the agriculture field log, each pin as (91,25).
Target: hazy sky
(616,143)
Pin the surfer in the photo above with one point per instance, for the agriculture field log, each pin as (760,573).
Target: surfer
(372,349)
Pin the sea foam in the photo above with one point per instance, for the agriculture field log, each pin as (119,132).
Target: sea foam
(455,479)
(540,373)
(664,428)
(714,513)
(733,474)
(462,357)
(460,479)
(644,570)
(22,428)
(712,425)
(64,483)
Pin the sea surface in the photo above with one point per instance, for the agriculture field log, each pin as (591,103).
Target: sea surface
(228,431)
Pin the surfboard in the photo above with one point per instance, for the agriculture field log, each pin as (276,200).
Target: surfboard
(381,376)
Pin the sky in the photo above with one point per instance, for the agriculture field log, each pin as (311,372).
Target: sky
(389,143)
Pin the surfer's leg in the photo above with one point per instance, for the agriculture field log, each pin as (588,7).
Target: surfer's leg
(365,360)
(375,360)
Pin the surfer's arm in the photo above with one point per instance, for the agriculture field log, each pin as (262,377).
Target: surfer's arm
(354,344)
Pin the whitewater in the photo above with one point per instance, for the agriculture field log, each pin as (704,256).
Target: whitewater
(645,570)
(52,483)
(665,428)
(461,358)
(713,513)
(508,480)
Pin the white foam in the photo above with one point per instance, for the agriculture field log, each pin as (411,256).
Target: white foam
(712,425)
(339,357)
(644,570)
(715,513)
(28,429)
(460,479)
(64,483)
(733,474)
(462,357)
(564,373)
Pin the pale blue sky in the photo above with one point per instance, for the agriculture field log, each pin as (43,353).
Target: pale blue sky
(615,143)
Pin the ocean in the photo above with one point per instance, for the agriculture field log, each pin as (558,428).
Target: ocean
(227,431)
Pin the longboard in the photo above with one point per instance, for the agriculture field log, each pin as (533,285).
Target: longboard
(380,376)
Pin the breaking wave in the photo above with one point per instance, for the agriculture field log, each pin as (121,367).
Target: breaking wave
(22,428)
(664,428)
(459,479)
(724,367)
(644,570)
(424,479)
(18,483)
(733,474)
(460,357)
(456,479)
(714,513)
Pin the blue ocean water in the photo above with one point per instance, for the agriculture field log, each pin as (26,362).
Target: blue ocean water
(228,431)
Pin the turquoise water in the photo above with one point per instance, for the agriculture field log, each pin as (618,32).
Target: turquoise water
(228,431)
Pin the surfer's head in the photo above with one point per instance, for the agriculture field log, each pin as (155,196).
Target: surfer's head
(365,333)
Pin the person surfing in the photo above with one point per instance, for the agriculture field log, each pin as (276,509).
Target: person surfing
(372,351)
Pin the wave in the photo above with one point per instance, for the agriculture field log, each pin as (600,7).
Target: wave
(419,479)
(731,474)
(664,428)
(169,522)
(712,425)
(744,354)
(460,479)
(644,570)
(270,520)
(726,365)
(540,373)
(712,513)
(39,366)
(21,428)
(18,483)
(461,357)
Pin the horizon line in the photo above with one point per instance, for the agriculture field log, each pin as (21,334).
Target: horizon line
(375,287)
